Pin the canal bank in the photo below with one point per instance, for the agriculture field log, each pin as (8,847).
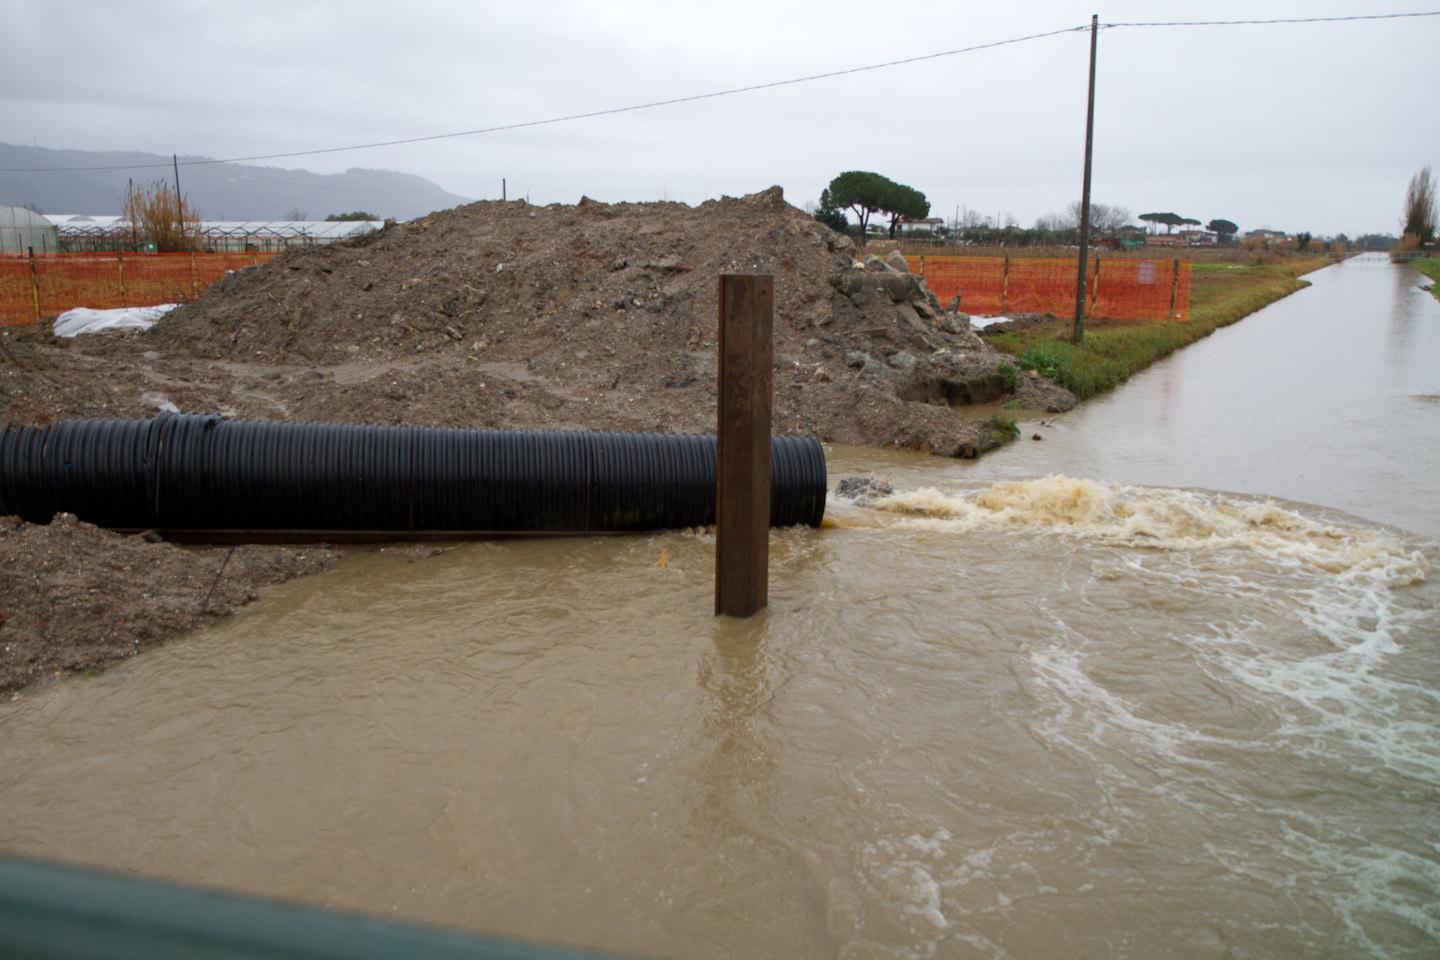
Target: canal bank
(1324,397)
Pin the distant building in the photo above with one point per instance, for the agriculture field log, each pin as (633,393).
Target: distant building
(927,225)
(1279,236)
(22,231)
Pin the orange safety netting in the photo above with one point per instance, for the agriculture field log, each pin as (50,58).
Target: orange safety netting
(1115,289)
(32,288)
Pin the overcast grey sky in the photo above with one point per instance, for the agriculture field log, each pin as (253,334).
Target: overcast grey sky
(1312,127)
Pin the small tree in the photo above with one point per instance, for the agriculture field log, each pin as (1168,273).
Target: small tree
(869,193)
(1302,242)
(353,215)
(1106,220)
(828,213)
(1419,218)
(861,191)
(904,203)
(1224,228)
(1169,219)
(161,217)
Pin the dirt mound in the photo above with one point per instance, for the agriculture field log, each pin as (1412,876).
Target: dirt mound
(506,315)
(594,316)
(74,597)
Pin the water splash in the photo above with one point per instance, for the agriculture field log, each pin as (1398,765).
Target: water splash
(1166,519)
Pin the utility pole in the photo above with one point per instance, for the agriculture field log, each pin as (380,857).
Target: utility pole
(175,161)
(1079,335)
(502,189)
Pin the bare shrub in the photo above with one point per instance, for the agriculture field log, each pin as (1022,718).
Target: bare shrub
(1420,211)
(163,218)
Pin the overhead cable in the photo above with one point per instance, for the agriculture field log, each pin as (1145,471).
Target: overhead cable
(500,128)
(574,116)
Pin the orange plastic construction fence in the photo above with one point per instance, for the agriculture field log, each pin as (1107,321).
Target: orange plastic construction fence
(34,288)
(1115,289)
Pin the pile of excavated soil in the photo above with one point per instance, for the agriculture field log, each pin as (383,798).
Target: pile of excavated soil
(506,315)
(502,315)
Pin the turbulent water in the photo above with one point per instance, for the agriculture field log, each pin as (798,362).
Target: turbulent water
(979,718)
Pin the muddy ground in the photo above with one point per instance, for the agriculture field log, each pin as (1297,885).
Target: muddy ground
(502,315)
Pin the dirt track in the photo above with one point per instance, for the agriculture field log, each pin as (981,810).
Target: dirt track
(503,315)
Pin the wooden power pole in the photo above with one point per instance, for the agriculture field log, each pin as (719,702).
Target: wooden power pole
(1079,335)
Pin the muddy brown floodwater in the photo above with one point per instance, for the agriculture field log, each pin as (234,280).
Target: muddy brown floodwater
(1011,718)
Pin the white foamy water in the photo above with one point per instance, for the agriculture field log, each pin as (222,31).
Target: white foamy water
(1259,668)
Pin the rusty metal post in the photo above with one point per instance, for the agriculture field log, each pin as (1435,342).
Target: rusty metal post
(742,468)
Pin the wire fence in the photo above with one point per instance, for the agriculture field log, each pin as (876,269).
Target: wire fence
(1115,289)
(34,288)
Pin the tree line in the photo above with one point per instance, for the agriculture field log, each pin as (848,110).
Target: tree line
(866,194)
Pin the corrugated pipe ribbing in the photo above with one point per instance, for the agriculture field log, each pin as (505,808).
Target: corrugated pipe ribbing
(188,472)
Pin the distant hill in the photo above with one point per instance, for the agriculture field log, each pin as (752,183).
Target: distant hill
(220,191)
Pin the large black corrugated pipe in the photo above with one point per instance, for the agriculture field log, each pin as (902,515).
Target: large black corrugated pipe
(186,472)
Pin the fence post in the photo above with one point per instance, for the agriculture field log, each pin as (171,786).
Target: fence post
(742,448)
(34,284)
(194,278)
(1005,288)
(120,260)
(1095,288)
(1174,287)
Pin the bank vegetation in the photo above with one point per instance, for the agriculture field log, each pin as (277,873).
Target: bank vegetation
(1430,266)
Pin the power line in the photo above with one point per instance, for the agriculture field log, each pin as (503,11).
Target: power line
(579,116)
(725,93)
(1247,23)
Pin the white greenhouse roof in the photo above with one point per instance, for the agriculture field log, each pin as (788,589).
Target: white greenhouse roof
(319,229)
(80,225)
(21,218)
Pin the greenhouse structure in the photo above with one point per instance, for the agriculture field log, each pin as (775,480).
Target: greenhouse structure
(81,233)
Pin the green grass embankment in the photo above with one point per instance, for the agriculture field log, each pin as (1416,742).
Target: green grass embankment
(1220,294)
(1430,266)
